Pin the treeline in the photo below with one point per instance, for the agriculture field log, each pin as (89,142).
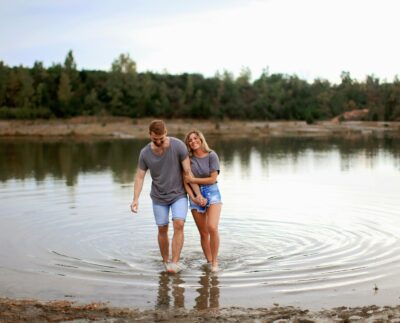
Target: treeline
(64,91)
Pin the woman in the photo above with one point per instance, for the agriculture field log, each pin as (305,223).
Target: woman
(205,168)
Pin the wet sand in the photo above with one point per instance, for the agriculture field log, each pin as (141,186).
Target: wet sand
(56,311)
(115,127)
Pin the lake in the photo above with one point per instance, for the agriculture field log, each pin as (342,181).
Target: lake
(311,222)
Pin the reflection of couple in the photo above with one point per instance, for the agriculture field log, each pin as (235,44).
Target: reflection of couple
(166,157)
(208,292)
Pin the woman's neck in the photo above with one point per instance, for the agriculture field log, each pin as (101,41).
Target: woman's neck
(199,153)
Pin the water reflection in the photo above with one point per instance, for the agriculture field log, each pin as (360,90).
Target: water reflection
(208,292)
(22,159)
(170,285)
(171,293)
(294,148)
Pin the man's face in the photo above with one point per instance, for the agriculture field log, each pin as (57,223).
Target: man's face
(158,140)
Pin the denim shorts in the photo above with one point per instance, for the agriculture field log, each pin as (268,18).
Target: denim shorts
(178,209)
(211,193)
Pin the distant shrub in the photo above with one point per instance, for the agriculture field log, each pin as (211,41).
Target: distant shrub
(24,113)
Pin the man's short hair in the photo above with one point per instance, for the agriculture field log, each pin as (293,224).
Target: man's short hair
(157,127)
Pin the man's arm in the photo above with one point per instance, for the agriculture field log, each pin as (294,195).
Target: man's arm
(189,190)
(137,189)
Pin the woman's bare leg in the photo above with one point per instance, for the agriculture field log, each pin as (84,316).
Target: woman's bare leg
(213,215)
(201,223)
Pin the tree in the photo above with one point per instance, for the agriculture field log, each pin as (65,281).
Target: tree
(25,94)
(92,105)
(64,95)
(147,91)
(374,103)
(3,83)
(124,64)
(69,63)
(244,77)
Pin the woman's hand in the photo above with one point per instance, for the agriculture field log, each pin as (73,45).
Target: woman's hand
(200,200)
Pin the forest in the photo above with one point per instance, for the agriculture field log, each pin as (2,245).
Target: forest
(62,91)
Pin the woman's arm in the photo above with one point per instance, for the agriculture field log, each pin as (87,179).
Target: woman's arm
(212,179)
(194,193)
(194,188)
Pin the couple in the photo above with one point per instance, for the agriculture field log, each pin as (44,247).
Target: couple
(177,170)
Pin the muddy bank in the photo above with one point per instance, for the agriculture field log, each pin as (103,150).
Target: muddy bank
(115,127)
(12,310)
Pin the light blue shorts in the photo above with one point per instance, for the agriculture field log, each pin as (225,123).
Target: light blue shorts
(211,193)
(178,209)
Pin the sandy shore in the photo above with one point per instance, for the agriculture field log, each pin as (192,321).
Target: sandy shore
(137,128)
(56,311)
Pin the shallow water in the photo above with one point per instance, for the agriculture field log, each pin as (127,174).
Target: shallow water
(309,222)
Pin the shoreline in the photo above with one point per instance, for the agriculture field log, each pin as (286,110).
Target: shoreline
(12,310)
(126,128)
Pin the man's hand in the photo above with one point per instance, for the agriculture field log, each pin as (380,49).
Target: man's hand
(137,188)
(135,206)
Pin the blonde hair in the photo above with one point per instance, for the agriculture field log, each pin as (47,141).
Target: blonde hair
(199,134)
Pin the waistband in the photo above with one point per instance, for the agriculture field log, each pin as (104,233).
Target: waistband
(209,185)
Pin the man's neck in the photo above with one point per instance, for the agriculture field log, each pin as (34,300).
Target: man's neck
(159,150)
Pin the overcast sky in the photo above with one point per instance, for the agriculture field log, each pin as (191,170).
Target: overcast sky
(309,38)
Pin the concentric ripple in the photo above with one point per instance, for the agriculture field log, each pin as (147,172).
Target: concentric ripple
(287,236)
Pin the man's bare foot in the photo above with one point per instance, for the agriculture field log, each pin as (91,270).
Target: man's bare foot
(174,268)
(166,266)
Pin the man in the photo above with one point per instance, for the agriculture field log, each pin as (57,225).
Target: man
(165,157)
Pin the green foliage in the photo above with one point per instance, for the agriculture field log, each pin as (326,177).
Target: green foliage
(124,64)
(24,113)
(63,91)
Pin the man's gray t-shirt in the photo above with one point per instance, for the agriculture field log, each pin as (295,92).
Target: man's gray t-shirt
(203,167)
(166,171)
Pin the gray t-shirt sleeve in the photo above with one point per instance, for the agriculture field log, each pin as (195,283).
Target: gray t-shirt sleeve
(182,150)
(142,162)
(214,162)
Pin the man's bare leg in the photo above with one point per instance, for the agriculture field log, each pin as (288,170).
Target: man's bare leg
(177,240)
(163,242)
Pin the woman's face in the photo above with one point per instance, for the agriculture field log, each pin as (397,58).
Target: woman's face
(194,141)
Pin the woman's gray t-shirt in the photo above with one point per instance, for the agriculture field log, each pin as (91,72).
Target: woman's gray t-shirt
(203,167)
(166,171)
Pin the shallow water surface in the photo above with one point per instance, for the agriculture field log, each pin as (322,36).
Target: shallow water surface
(309,222)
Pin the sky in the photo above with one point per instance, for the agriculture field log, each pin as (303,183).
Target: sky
(308,38)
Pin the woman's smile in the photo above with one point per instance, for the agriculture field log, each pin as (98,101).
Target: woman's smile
(194,142)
